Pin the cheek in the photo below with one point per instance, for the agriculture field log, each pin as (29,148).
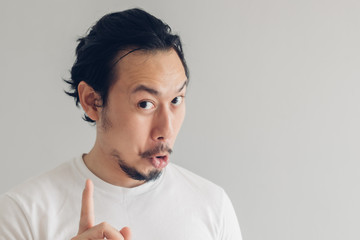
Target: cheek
(130,129)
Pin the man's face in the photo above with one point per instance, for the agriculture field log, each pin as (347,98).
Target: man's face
(144,112)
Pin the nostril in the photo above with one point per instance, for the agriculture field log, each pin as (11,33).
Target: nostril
(160,138)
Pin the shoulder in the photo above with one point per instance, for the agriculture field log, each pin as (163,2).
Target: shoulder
(190,182)
(188,176)
(39,207)
(14,222)
(49,180)
(48,189)
(44,197)
(208,198)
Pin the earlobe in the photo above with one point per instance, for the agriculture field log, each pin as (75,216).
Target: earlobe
(90,100)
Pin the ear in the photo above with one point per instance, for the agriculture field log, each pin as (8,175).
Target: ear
(90,100)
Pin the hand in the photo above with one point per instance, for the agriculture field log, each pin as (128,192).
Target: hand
(87,230)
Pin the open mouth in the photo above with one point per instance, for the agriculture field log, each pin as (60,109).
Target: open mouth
(159,161)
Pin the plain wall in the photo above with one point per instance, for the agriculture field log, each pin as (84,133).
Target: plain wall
(272,109)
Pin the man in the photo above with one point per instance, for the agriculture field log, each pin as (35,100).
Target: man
(130,77)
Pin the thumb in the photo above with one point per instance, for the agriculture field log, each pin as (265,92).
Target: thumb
(125,231)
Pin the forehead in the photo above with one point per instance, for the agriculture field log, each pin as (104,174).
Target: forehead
(162,70)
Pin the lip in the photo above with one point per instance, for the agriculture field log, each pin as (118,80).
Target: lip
(159,162)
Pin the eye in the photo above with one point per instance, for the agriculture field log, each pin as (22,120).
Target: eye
(178,100)
(146,105)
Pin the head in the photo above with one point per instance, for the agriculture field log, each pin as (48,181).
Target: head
(130,77)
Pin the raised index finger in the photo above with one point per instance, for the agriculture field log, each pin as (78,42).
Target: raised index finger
(87,208)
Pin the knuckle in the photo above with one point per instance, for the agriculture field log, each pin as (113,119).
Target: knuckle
(104,225)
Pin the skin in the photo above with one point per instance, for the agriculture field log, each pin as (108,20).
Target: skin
(145,110)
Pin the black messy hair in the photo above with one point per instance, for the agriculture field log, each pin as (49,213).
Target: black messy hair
(96,53)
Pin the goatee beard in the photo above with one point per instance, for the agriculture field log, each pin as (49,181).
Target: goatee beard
(136,175)
(133,173)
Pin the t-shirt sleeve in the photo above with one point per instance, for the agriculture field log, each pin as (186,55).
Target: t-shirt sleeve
(13,221)
(230,229)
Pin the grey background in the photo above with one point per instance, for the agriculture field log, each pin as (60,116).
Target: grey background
(272,109)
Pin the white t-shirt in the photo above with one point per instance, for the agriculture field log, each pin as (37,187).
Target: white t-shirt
(178,206)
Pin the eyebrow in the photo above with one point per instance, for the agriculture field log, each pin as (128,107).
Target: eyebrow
(185,84)
(154,91)
(146,89)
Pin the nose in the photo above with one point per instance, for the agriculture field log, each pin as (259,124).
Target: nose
(162,125)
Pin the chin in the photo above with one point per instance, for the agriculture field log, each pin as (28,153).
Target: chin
(132,172)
